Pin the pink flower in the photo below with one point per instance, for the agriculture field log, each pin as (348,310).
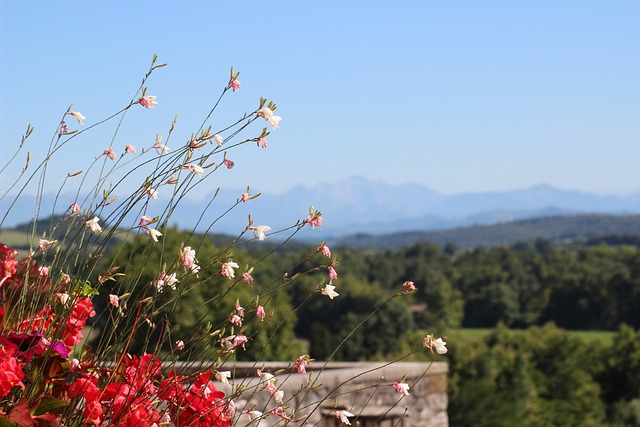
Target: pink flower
(228,163)
(228,270)
(325,251)
(240,340)
(79,117)
(114,300)
(130,149)
(144,221)
(110,154)
(235,85)
(262,143)
(315,220)
(247,278)
(218,139)
(329,291)
(236,320)
(63,128)
(332,273)
(188,257)
(179,345)
(260,312)
(402,388)
(74,207)
(159,147)
(408,287)
(148,101)
(301,363)
(240,310)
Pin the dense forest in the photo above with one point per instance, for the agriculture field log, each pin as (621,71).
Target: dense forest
(529,371)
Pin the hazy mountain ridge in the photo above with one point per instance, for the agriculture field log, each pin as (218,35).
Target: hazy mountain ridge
(359,205)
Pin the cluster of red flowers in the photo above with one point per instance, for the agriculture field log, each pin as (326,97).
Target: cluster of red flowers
(36,356)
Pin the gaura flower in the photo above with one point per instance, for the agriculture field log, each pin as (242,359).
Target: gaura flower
(179,345)
(439,344)
(193,168)
(408,287)
(152,193)
(148,101)
(228,269)
(328,290)
(236,320)
(279,396)
(267,114)
(79,117)
(63,128)
(188,257)
(93,224)
(130,149)
(402,388)
(247,278)
(110,154)
(153,233)
(114,300)
(325,251)
(159,147)
(262,143)
(228,163)
(260,312)
(218,139)
(343,416)
(74,208)
(240,340)
(165,280)
(315,220)
(246,197)
(144,221)
(259,231)
(235,85)
(332,273)
(254,415)
(42,243)
(301,362)
(223,377)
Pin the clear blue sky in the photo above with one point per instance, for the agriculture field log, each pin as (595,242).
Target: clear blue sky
(459,96)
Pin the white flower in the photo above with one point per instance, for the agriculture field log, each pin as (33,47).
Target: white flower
(152,193)
(254,414)
(441,346)
(218,139)
(93,224)
(278,395)
(343,417)
(328,290)
(267,114)
(195,169)
(154,234)
(260,230)
(79,117)
(402,388)
(223,377)
(164,280)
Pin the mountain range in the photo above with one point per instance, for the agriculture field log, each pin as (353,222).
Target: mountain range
(358,205)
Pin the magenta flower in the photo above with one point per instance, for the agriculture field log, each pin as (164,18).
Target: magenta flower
(228,163)
(148,101)
(402,388)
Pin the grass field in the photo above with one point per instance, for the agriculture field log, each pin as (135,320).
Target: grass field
(603,337)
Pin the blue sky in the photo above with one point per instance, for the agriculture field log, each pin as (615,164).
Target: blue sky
(460,96)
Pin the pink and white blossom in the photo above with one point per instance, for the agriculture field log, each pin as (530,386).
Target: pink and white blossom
(42,243)
(402,388)
(227,269)
(235,84)
(75,208)
(408,287)
(325,250)
(240,340)
(193,168)
(153,193)
(236,320)
(218,139)
(260,313)
(144,221)
(109,153)
(130,149)
(343,416)
(179,345)
(188,257)
(114,300)
(247,278)
(165,280)
(246,197)
(148,101)
(315,220)
(228,163)
(267,114)
(159,147)
(259,231)
(223,377)
(439,345)
(332,273)
(262,143)
(328,290)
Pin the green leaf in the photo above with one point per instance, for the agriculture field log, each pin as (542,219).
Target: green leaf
(88,290)
(50,404)
(6,422)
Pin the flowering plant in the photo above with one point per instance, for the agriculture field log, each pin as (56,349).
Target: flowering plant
(153,362)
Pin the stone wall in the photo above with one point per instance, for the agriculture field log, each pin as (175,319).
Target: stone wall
(363,389)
